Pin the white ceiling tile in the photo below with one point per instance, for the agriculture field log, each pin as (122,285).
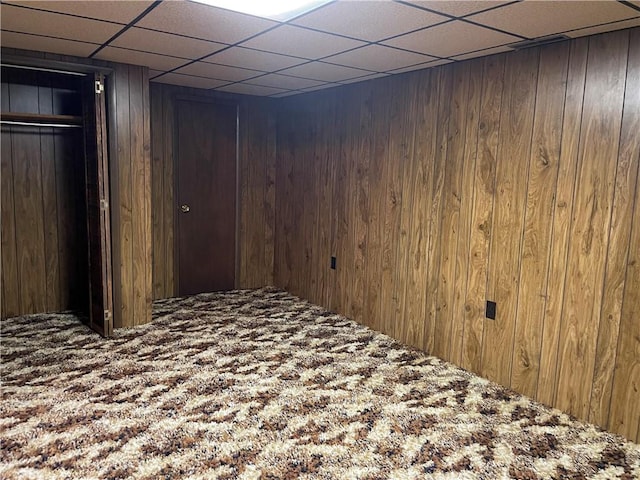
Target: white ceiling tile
(325,71)
(379,58)
(321,87)
(457,8)
(604,28)
(422,66)
(121,11)
(203,21)
(369,20)
(221,72)
(248,58)
(301,42)
(533,18)
(453,38)
(47,44)
(365,78)
(134,57)
(154,73)
(286,94)
(284,81)
(189,81)
(165,43)
(483,53)
(246,89)
(26,20)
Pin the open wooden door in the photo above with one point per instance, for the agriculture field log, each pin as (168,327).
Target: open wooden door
(97,195)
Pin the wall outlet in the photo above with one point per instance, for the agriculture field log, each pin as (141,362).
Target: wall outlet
(490,311)
(333,263)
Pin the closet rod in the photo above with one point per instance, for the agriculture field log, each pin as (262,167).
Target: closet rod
(43,69)
(36,124)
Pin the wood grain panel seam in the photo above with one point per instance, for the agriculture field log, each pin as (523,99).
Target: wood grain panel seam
(570,217)
(493,214)
(624,290)
(524,220)
(15,229)
(552,233)
(626,269)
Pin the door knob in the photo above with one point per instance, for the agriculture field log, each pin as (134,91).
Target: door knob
(184,208)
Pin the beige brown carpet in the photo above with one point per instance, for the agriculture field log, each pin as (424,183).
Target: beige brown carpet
(258,384)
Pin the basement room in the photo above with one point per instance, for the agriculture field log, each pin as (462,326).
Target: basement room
(320,239)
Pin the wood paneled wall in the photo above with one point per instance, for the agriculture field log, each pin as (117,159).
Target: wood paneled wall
(256,183)
(130,146)
(44,260)
(511,178)
(130,182)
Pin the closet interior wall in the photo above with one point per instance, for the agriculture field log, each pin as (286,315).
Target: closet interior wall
(44,248)
(130,185)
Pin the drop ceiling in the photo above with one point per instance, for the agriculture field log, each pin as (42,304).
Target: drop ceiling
(345,41)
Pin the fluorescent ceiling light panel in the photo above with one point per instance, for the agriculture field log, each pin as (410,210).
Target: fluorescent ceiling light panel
(281,10)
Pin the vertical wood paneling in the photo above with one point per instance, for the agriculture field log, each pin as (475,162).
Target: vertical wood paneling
(433,284)
(244,193)
(130,195)
(413,217)
(158,201)
(466,209)
(599,138)
(419,203)
(284,207)
(450,218)
(147,230)
(351,105)
(123,294)
(624,414)
(321,223)
(511,178)
(543,172)
(392,210)
(27,187)
(404,154)
(49,197)
(167,185)
(10,290)
(516,124)
(622,218)
(378,165)
(481,215)
(563,210)
(139,171)
(360,201)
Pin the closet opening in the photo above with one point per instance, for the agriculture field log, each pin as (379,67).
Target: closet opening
(56,245)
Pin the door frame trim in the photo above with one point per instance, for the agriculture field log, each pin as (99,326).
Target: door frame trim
(176,99)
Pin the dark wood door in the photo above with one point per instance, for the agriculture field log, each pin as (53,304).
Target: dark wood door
(97,201)
(206,150)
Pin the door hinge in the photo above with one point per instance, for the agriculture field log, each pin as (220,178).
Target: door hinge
(107,315)
(99,87)
(104,205)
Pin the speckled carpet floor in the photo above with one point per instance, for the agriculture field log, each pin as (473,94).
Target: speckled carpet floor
(259,384)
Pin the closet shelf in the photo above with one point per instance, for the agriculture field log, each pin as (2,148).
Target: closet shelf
(40,118)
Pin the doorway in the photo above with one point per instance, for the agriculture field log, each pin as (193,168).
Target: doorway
(206,195)
(55,221)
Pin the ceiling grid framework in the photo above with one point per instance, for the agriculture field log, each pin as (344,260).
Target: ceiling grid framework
(340,42)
